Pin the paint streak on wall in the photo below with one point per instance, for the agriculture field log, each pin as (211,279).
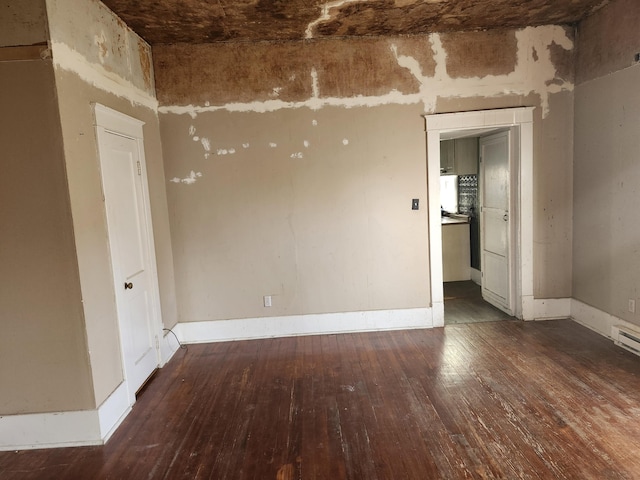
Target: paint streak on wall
(329,75)
(326,15)
(189,179)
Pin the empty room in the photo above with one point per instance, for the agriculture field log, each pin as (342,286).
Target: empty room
(368,239)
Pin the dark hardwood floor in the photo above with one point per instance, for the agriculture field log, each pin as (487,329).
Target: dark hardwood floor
(511,400)
(463,303)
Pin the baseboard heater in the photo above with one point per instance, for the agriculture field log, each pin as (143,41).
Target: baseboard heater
(626,338)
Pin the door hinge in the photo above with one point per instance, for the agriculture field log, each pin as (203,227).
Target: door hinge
(139,168)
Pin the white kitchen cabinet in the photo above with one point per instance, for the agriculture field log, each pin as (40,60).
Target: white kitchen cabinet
(456,263)
(459,156)
(447,157)
(466,156)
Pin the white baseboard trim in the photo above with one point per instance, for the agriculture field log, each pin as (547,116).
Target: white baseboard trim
(296,325)
(113,411)
(476,276)
(437,314)
(49,430)
(65,429)
(168,346)
(551,308)
(597,320)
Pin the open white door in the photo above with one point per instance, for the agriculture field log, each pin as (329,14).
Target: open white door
(128,223)
(495,220)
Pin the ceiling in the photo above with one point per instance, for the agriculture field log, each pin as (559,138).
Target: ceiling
(206,21)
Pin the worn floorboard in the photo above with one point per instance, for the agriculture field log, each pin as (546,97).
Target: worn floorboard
(463,303)
(507,399)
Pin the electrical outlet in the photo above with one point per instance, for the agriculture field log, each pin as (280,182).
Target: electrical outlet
(267,300)
(632,305)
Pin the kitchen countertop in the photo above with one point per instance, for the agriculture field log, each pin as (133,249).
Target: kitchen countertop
(455,220)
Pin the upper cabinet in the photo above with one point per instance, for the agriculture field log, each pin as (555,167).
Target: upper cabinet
(459,156)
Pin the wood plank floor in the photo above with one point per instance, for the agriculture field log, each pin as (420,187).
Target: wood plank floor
(511,400)
(463,303)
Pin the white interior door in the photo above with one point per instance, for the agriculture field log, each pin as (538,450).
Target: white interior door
(124,191)
(495,220)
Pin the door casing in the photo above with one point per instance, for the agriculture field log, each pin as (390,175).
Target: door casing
(521,120)
(118,123)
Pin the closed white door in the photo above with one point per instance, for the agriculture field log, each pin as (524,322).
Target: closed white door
(122,178)
(495,220)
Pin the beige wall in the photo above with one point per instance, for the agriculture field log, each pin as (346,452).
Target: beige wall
(97,59)
(333,231)
(323,228)
(43,352)
(606,262)
(23,23)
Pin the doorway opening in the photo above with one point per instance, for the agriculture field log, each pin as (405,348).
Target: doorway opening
(447,127)
(471,239)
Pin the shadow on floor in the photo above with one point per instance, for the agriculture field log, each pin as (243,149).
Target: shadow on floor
(463,303)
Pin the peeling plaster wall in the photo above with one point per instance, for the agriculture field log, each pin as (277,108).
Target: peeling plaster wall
(478,54)
(608,40)
(97,59)
(325,229)
(43,351)
(235,73)
(606,243)
(88,31)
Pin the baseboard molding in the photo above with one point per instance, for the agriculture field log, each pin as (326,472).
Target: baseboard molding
(551,308)
(597,320)
(476,276)
(168,346)
(113,411)
(65,429)
(295,325)
(49,430)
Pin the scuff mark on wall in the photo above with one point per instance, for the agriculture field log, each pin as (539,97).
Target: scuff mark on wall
(188,180)
(297,155)
(144,52)
(101,42)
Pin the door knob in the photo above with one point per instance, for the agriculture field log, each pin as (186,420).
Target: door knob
(506,217)
(128,286)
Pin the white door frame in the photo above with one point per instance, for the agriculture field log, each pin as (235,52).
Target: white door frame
(120,124)
(522,119)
